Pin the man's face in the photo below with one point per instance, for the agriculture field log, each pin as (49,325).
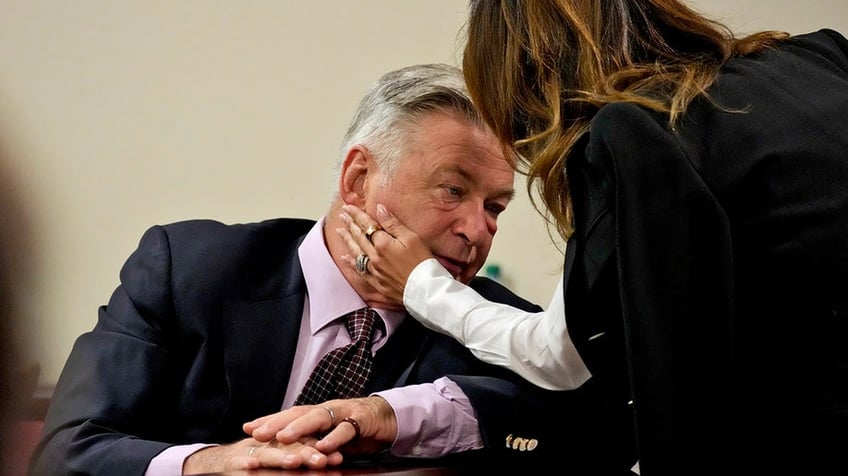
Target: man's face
(449,188)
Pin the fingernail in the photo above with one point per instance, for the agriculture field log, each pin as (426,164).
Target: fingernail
(289,458)
(345,217)
(314,458)
(382,213)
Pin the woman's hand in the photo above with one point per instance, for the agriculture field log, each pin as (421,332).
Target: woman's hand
(393,250)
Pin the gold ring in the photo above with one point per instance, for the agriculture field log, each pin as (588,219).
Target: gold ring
(251,452)
(332,415)
(354,424)
(371,230)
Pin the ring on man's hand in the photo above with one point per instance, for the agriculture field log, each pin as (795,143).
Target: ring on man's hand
(251,452)
(371,230)
(362,263)
(332,415)
(354,424)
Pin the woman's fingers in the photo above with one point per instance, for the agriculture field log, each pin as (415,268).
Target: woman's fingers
(389,223)
(354,234)
(371,229)
(392,253)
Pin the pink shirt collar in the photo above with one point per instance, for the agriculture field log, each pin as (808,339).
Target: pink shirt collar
(329,295)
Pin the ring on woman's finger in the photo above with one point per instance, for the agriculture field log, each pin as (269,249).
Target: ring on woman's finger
(332,415)
(251,451)
(362,262)
(371,230)
(354,424)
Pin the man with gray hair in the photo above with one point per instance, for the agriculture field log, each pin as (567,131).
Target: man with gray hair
(214,326)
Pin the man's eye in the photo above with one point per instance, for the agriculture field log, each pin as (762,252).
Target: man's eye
(454,191)
(495,208)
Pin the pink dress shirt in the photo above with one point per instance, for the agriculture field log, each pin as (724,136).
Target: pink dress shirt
(434,419)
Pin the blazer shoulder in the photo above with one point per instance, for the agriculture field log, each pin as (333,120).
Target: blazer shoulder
(214,230)
(239,240)
(229,255)
(827,43)
(626,116)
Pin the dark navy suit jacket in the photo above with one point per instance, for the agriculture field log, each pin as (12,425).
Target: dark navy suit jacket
(200,337)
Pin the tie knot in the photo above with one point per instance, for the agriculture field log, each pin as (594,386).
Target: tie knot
(360,323)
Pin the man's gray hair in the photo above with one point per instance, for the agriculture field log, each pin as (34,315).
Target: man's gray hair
(396,103)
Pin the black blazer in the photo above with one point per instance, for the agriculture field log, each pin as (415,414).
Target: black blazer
(200,337)
(706,284)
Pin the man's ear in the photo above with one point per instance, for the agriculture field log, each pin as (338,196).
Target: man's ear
(354,177)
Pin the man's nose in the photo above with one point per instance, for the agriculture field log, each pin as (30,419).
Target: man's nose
(476,226)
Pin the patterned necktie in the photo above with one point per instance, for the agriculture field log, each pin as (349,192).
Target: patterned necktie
(343,371)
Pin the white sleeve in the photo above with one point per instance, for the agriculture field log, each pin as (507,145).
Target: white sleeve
(534,345)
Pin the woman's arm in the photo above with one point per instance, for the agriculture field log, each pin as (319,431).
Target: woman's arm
(536,346)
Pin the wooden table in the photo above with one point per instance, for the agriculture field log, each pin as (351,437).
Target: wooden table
(385,467)
(350,471)
(423,471)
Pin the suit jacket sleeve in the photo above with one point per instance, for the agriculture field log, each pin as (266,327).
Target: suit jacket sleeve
(102,396)
(522,425)
(204,313)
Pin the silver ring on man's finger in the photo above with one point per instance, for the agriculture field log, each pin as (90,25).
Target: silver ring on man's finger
(251,452)
(332,415)
(362,262)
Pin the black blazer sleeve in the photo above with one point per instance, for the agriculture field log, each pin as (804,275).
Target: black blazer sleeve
(523,426)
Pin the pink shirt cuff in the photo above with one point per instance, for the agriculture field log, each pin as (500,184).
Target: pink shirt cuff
(434,419)
(170,461)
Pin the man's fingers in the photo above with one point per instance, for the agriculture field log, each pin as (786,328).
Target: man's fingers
(291,456)
(316,420)
(268,427)
(341,435)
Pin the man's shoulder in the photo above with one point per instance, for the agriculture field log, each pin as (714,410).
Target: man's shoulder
(212,227)
(206,242)
(494,291)
(209,253)
(202,233)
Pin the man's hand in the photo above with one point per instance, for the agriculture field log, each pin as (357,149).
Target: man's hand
(252,454)
(375,417)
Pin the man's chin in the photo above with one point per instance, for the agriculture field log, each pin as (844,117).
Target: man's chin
(455,270)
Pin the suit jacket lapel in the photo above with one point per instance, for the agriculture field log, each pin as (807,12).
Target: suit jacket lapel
(259,341)
(401,355)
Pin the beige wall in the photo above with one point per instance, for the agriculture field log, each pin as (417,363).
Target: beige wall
(123,114)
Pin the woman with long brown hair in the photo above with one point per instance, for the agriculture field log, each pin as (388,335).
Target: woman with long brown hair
(701,180)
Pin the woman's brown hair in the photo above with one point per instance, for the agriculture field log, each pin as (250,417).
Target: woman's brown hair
(539,71)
